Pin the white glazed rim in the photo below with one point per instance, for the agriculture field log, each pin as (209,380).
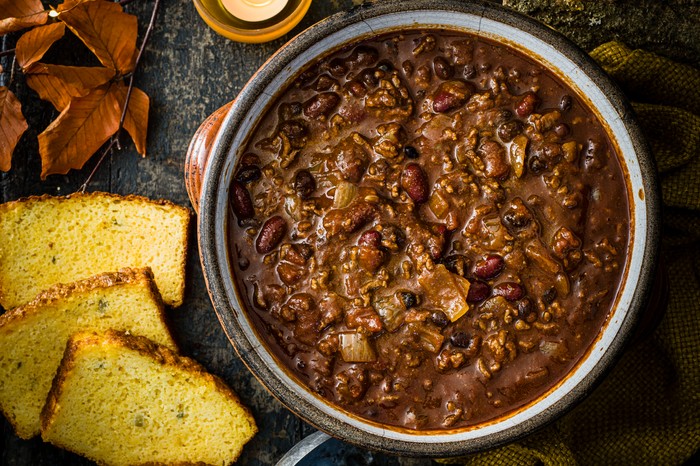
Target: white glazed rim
(481,19)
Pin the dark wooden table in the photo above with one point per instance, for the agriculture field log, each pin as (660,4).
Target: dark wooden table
(188,71)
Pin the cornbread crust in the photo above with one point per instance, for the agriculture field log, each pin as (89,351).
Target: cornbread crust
(23,390)
(7,297)
(159,355)
(103,280)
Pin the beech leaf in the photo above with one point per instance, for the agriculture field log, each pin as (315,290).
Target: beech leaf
(12,125)
(107,31)
(33,44)
(136,120)
(79,131)
(68,4)
(58,84)
(20,14)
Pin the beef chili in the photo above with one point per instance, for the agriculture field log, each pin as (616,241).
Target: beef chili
(429,229)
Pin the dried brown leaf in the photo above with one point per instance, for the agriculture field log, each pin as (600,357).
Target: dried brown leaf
(12,125)
(58,84)
(136,120)
(106,30)
(33,44)
(68,4)
(79,131)
(20,14)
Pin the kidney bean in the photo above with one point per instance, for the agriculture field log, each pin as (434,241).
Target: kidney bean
(415,182)
(349,219)
(362,55)
(549,295)
(407,67)
(411,152)
(248,173)
(295,130)
(440,319)
(537,164)
(456,263)
(436,243)
(478,291)
(370,238)
(304,184)
(508,130)
(562,130)
(450,95)
(489,267)
(385,66)
(337,67)
(241,202)
(249,159)
(516,215)
(289,274)
(271,233)
(324,82)
(369,79)
(510,290)
(321,104)
(357,89)
(493,155)
(524,308)
(594,154)
(460,339)
(502,115)
(293,253)
(469,71)
(306,251)
(565,103)
(527,104)
(408,299)
(443,69)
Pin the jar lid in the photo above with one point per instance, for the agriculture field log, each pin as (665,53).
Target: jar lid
(252,21)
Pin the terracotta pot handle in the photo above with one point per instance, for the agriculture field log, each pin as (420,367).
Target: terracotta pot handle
(198,153)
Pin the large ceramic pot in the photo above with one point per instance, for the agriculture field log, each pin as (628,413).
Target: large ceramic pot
(215,150)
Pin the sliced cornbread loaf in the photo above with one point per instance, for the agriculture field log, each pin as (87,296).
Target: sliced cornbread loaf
(163,408)
(48,240)
(33,336)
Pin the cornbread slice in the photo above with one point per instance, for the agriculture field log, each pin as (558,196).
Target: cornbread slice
(48,240)
(33,337)
(162,408)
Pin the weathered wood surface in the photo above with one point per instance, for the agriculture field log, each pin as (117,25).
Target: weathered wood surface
(189,71)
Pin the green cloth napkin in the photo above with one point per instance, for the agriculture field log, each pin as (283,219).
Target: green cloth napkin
(647,410)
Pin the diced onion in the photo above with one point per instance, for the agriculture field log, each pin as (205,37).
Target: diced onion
(344,194)
(517,154)
(446,290)
(438,204)
(356,347)
(555,349)
(391,312)
(429,336)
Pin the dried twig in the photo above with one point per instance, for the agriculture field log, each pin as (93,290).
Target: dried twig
(115,139)
(7,52)
(151,24)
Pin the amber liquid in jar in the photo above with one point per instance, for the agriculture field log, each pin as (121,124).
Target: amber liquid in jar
(217,9)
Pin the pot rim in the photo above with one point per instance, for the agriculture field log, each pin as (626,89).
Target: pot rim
(645,228)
